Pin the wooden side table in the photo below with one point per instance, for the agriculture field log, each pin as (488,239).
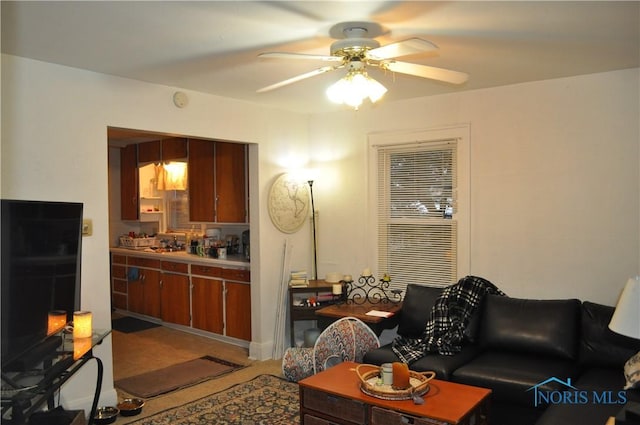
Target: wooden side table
(331,313)
(305,312)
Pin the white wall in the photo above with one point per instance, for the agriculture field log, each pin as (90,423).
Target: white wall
(554,177)
(54,147)
(554,182)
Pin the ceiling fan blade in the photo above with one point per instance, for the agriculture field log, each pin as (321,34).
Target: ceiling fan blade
(298,78)
(288,55)
(402,48)
(424,71)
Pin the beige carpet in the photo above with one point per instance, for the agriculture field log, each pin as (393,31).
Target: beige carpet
(144,351)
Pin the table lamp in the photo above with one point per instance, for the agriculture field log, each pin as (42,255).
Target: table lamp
(626,321)
(626,318)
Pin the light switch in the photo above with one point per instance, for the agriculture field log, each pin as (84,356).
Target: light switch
(87,227)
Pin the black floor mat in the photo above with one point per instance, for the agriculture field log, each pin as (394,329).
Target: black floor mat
(131,324)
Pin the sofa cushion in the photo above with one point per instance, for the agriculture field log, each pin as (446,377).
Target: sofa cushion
(512,376)
(546,327)
(443,366)
(416,308)
(599,346)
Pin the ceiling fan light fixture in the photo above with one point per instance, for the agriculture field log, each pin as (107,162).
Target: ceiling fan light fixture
(353,88)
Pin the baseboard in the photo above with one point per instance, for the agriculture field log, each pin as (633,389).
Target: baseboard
(107,398)
(261,351)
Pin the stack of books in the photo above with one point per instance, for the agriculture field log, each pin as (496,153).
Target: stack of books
(298,279)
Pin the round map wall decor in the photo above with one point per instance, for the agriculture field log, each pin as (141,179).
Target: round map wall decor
(289,203)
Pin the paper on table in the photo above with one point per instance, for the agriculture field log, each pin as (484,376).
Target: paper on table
(378,313)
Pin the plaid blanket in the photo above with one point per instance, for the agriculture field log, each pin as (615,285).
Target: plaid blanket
(444,331)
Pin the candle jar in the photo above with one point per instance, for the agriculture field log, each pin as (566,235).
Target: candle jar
(386,370)
(82,327)
(57,319)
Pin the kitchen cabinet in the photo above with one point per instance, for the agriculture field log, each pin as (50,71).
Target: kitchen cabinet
(207,298)
(217,182)
(207,304)
(238,310)
(212,298)
(230,183)
(149,152)
(119,281)
(201,192)
(143,293)
(237,299)
(167,149)
(129,183)
(175,299)
(174,148)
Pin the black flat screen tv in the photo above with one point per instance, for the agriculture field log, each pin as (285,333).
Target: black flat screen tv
(41,248)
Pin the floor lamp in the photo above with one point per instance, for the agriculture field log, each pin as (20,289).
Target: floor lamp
(313,223)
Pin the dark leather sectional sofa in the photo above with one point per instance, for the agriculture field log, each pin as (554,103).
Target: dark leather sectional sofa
(547,362)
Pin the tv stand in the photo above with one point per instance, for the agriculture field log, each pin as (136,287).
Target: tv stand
(24,392)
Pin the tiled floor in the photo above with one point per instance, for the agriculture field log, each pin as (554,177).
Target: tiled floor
(139,352)
(155,348)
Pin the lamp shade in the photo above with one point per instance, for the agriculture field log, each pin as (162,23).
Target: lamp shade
(354,88)
(626,318)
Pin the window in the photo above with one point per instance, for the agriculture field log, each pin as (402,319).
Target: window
(178,208)
(421,219)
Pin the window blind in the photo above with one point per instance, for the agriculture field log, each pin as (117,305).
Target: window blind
(417,228)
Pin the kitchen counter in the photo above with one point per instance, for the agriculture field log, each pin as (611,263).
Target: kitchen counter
(184,257)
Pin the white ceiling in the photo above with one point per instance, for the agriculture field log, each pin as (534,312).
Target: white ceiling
(212,46)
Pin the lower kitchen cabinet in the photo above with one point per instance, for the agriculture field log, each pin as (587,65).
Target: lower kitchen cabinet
(119,282)
(238,310)
(144,293)
(174,299)
(206,304)
(207,297)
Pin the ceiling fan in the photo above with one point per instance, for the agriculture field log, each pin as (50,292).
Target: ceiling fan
(356,49)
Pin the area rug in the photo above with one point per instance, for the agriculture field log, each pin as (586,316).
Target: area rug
(265,400)
(130,324)
(175,377)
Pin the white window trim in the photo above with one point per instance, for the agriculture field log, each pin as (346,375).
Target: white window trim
(463,201)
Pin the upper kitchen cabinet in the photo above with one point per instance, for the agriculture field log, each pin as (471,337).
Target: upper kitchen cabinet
(167,149)
(174,148)
(231,186)
(217,182)
(149,152)
(129,183)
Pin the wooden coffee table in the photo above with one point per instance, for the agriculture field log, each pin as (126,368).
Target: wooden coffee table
(334,397)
